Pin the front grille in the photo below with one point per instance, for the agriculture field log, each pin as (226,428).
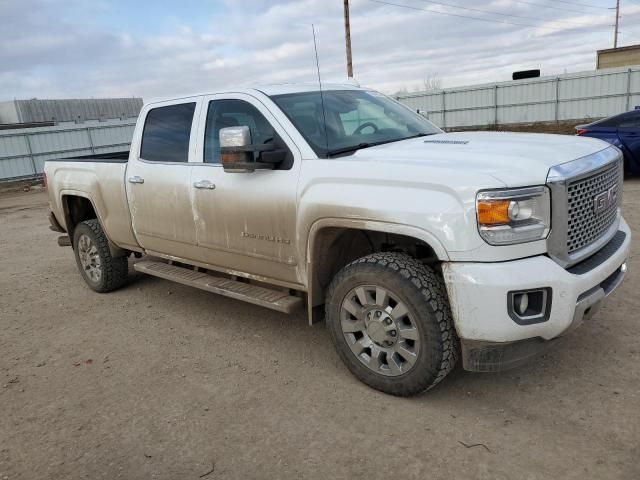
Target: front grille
(585,225)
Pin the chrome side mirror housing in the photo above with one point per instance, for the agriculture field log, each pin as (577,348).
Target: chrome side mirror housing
(238,154)
(235,154)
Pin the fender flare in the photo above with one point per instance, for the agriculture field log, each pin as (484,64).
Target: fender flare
(116,251)
(362,224)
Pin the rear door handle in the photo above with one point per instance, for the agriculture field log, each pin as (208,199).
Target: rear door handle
(204,184)
(136,179)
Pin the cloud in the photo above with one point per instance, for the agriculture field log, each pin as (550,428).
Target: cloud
(56,48)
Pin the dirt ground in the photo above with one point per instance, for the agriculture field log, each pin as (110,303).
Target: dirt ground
(162,381)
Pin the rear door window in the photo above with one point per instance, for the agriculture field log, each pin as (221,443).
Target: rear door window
(166,133)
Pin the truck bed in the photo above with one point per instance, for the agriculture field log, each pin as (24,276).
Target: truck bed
(99,179)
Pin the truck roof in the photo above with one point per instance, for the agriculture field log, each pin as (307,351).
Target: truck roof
(269,89)
(284,88)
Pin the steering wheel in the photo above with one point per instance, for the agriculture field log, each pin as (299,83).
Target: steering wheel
(358,130)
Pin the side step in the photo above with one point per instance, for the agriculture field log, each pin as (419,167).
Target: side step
(265,297)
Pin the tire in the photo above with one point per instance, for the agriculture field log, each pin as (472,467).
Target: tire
(101,271)
(392,363)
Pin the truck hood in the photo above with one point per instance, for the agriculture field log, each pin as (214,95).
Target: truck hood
(515,159)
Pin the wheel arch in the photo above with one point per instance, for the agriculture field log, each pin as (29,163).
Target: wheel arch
(334,243)
(78,207)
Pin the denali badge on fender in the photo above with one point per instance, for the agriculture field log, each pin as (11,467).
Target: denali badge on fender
(606,199)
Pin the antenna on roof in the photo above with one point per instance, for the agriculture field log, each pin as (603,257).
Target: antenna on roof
(324,116)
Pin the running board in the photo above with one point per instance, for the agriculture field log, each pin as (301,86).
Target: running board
(264,297)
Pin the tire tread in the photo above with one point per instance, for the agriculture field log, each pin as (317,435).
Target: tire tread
(115,270)
(431,287)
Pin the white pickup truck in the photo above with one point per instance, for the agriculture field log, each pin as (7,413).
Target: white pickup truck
(416,246)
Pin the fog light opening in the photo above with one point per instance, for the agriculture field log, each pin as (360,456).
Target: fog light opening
(529,306)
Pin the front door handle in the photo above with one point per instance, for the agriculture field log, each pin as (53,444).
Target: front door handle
(204,184)
(136,179)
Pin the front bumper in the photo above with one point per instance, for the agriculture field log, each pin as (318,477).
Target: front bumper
(491,340)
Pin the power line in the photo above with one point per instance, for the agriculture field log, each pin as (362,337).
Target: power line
(490,20)
(505,14)
(542,5)
(583,4)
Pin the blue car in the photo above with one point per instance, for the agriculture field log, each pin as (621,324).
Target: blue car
(621,130)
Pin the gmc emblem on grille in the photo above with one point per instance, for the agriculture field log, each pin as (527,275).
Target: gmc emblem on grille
(606,199)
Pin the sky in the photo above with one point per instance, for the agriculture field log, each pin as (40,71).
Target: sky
(150,49)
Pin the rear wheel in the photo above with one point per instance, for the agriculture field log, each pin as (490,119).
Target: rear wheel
(100,269)
(389,318)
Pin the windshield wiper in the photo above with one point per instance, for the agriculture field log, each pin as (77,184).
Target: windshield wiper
(416,136)
(354,148)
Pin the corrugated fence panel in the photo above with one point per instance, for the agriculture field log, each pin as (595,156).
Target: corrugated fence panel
(13,145)
(59,141)
(429,102)
(478,116)
(112,135)
(472,98)
(574,96)
(635,81)
(634,86)
(593,85)
(82,109)
(535,91)
(538,112)
(21,149)
(437,118)
(592,107)
(15,167)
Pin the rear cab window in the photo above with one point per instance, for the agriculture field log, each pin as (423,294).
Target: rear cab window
(166,133)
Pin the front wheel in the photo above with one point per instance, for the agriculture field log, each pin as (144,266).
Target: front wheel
(100,269)
(388,316)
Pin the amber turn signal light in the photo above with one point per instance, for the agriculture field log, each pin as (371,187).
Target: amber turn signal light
(493,212)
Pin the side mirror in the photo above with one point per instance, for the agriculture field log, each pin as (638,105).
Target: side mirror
(423,113)
(234,152)
(237,151)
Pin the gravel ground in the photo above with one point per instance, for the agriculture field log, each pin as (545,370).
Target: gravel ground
(158,380)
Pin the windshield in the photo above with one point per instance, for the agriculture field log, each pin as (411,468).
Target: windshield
(354,119)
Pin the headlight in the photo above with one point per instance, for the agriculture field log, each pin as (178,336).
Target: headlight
(513,216)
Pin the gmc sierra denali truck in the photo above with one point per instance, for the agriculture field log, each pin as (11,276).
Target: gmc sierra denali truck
(416,246)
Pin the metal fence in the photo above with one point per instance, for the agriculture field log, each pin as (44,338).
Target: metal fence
(24,151)
(581,95)
(70,109)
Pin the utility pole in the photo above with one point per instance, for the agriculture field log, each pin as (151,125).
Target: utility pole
(347,38)
(615,36)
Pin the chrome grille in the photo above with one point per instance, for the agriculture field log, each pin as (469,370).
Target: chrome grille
(584,224)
